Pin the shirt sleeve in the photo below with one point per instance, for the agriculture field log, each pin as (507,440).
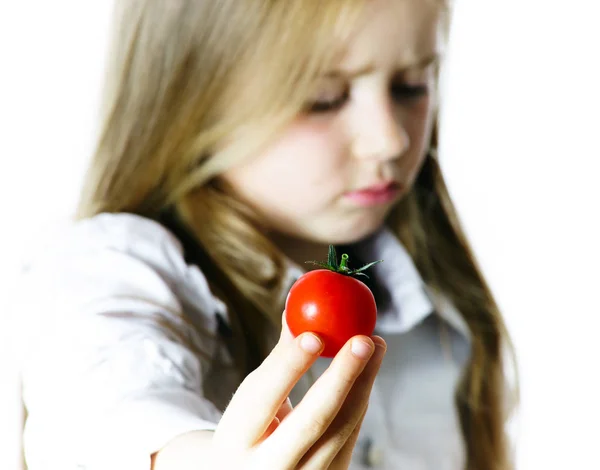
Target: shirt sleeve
(109,368)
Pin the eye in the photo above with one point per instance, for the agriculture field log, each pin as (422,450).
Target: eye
(328,100)
(403,92)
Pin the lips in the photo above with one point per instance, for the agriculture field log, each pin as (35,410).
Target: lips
(380,193)
(379,188)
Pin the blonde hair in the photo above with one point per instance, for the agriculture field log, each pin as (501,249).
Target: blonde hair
(181,81)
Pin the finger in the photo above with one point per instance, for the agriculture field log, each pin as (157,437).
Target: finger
(285,409)
(312,461)
(317,410)
(286,334)
(344,457)
(261,394)
(337,442)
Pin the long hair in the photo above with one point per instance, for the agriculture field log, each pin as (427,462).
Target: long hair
(181,80)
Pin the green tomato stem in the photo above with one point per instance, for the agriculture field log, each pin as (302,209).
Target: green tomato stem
(344,261)
(342,268)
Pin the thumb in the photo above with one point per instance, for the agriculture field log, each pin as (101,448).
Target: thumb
(286,335)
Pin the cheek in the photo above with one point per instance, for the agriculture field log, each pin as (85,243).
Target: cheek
(308,154)
(419,123)
(419,127)
(299,172)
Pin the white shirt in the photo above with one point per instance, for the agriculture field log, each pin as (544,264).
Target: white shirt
(106,385)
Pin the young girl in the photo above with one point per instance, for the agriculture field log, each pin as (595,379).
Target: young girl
(239,139)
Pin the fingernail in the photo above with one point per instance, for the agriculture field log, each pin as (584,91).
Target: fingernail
(310,343)
(361,349)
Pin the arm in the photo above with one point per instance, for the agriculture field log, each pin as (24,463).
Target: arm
(99,368)
(101,371)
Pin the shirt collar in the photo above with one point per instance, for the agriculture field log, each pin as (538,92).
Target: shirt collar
(410,299)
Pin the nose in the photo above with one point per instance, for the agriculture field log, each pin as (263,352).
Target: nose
(379,133)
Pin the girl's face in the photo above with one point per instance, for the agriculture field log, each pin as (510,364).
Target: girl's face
(336,172)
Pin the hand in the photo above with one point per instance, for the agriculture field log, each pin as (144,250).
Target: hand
(260,430)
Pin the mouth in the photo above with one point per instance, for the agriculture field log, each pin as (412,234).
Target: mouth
(377,194)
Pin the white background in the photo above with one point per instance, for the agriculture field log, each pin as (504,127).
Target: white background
(520,150)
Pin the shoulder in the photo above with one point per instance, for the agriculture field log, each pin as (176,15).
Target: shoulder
(113,263)
(126,233)
(107,251)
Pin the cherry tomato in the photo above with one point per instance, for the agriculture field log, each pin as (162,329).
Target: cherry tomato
(332,304)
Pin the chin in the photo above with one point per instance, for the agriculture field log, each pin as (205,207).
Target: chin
(353,231)
(345,228)
(349,239)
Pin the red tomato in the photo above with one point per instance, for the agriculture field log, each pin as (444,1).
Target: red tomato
(334,306)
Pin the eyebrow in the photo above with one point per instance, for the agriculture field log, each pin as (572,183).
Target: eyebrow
(370,67)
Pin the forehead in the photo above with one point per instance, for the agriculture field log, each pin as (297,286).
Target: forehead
(395,32)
